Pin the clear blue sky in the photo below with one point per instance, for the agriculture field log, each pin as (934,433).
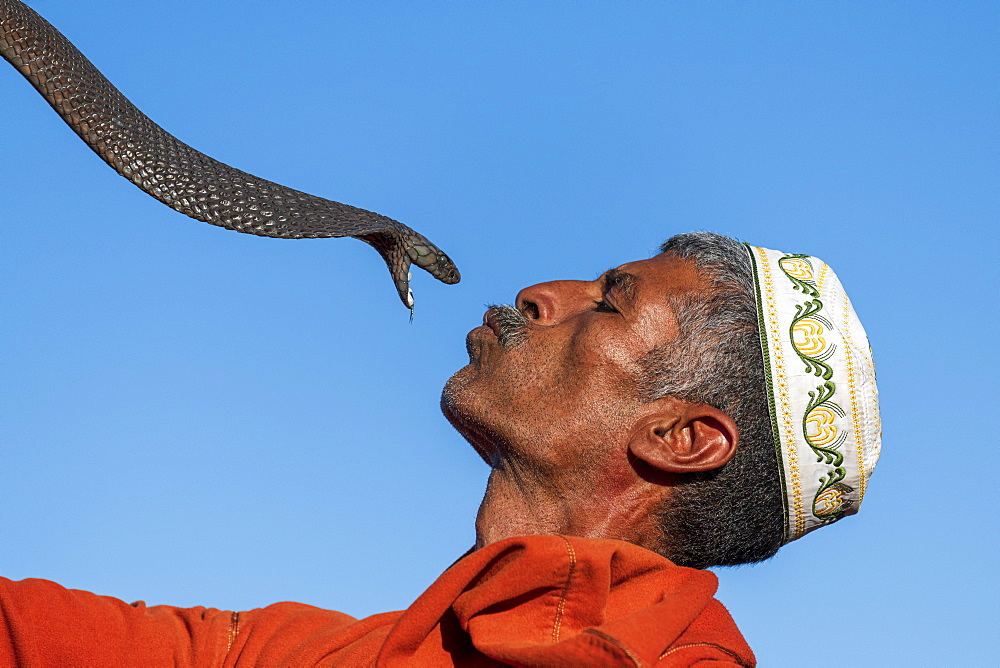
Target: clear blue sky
(196,417)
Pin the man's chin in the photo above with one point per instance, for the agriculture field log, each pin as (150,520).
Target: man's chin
(458,403)
(454,398)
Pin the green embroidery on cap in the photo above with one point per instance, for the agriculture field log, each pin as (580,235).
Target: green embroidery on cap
(798,268)
(807,335)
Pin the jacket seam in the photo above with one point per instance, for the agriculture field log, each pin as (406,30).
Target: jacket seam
(561,606)
(726,650)
(234,629)
(614,642)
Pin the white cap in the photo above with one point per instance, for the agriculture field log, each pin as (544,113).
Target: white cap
(821,382)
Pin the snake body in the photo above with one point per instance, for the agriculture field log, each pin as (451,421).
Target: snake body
(185,179)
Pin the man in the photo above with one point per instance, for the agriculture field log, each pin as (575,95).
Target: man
(699,408)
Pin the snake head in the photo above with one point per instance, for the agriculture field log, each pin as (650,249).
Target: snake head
(400,248)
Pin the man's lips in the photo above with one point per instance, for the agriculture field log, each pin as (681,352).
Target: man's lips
(490,320)
(506,323)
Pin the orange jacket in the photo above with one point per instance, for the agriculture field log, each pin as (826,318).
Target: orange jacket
(530,601)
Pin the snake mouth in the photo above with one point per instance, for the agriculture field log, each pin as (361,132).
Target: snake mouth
(403,252)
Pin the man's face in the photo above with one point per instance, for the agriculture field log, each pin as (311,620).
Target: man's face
(566,394)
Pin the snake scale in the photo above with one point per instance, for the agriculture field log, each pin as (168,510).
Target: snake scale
(185,179)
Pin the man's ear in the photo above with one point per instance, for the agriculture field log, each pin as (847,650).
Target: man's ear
(685,437)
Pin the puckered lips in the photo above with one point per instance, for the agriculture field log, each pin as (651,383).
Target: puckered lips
(485,335)
(491,321)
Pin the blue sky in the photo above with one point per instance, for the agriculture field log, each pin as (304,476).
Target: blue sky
(197,417)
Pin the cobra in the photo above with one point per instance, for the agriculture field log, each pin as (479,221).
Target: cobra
(187,180)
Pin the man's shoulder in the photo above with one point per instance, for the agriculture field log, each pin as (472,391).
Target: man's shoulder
(593,600)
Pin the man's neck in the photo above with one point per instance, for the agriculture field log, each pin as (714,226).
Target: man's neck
(512,508)
(518,504)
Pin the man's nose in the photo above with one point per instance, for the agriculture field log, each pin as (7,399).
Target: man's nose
(550,303)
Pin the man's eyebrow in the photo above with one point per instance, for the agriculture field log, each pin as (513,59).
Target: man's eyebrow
(623,281)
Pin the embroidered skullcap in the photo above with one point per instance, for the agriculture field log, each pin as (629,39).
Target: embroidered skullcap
(821,389)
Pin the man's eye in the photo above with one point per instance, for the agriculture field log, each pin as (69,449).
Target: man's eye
(604,307)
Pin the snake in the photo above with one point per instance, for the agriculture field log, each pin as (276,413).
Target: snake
(185,179)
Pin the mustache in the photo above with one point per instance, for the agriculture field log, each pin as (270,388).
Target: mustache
(512,323)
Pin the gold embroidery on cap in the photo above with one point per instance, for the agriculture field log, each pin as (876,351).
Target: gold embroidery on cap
(807,337)
(824,271)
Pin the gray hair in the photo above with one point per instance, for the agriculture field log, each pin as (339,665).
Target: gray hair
(733,514)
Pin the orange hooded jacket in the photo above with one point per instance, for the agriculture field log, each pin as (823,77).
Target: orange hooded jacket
(529,601)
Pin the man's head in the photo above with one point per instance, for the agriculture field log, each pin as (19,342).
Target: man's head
(634,406)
